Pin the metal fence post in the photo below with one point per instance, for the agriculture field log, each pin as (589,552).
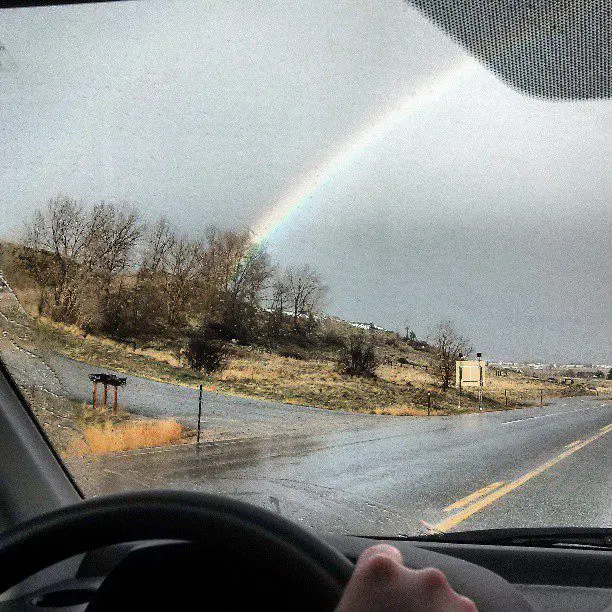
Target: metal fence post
(480,382)
(199,416)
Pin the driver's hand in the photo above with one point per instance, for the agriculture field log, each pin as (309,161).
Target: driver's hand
(381,582)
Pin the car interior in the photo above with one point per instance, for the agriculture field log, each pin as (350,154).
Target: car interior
(170,549)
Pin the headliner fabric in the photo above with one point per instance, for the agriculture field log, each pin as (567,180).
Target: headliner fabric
(554,49)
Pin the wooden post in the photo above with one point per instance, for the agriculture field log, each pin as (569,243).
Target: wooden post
(506,396)
(106,380)
(541,397)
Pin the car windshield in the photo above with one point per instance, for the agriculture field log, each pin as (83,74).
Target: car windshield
(320,257)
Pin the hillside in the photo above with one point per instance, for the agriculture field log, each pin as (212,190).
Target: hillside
(301,375)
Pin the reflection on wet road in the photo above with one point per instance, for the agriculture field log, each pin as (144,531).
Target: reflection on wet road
(387,475)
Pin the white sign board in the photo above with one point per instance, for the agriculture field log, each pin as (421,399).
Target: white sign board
(469,373)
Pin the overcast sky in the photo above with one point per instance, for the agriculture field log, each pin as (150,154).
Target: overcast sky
(482,205)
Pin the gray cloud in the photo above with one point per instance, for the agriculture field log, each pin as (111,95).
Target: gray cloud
(486,206)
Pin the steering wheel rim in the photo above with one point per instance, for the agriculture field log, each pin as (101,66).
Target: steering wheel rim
(201,518)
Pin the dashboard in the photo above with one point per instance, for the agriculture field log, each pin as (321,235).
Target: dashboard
(549,578)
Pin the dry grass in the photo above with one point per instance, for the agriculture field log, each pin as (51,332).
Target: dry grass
(76,428)
(526,390)
(399,389)
(404,375)
(112,437)
(401,410)
(159,364)
(157,354)
(603,387)
(312,383)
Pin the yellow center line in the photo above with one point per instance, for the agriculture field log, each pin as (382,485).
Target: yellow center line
(453,521)
(571,444)
(468,499)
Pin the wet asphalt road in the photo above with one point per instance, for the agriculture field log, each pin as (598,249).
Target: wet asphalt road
(348,473)
(384,476)
(229,415)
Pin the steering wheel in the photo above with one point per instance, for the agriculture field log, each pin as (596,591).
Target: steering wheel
(229,555)
(243,546)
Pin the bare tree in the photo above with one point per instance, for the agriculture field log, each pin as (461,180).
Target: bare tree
(146,308)
(183,266)
(75,256)
(113,234)
(410,336)
(248,275)
(305,290)
(103,269)
(55,244)
(448,344)
(160,239)
(277,299)
(234,276)
(358,357)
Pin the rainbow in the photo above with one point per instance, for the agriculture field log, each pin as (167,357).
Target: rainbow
(409,105)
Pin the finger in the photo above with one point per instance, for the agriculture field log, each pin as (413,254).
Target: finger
(368,588)
(379,564)
(434,584)
(381,550)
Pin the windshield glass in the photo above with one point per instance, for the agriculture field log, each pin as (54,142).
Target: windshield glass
(315,256)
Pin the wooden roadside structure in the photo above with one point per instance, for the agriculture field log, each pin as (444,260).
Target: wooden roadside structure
(108,380)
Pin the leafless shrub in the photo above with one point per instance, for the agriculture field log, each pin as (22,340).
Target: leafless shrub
(447,344)
(358,358)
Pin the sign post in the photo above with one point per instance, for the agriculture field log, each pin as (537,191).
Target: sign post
(480,381)
(471,373)
(199,416)
(460,376)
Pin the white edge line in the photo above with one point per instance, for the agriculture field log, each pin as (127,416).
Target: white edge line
(552,414)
